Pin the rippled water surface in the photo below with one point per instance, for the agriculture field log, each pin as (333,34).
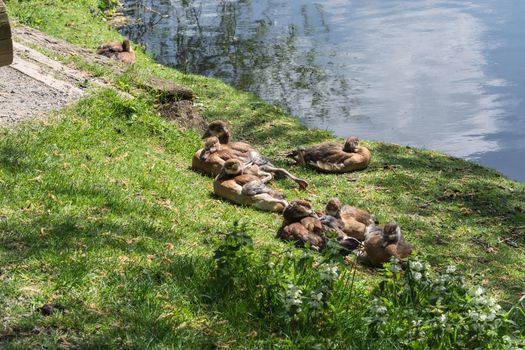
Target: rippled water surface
(445,75)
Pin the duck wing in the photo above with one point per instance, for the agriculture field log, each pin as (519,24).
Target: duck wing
(256,187)
(254,157)
(322,152)
(241,147)
(403,249)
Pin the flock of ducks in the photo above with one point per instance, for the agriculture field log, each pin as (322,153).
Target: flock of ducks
(242,175)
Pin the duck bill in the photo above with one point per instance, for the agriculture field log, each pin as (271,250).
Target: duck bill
(291,154)
(207,134)
(313,214)
(204,155)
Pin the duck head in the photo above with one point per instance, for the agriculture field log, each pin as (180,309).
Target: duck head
(299,209)
(126,47)
(333,207)
(233,167)
(211,146)
(391,233)
(351,144)
(219,129)
(297,155)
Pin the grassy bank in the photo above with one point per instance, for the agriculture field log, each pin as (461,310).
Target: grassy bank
(100,213)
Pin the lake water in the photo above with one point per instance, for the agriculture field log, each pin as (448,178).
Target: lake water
(444,75)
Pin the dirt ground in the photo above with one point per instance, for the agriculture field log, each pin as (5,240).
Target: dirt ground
(35,84)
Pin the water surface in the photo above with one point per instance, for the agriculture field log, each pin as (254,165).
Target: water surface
(444,75)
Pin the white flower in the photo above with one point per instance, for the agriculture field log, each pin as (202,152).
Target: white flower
(316,300)
(443,318)
(451,269)
(293,295)
(478,291)
(417,276)
(416,323)
(416,266)
(473,315)
(330,273)
(380,310)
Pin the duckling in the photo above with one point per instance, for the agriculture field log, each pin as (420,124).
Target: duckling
(219,129)
(212,157)
(115,50)
(333,157)
(381,243)
(245,152)
(354,221)
(301,224)
(247,189)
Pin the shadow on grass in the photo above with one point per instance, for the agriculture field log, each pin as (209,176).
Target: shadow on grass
(13,159)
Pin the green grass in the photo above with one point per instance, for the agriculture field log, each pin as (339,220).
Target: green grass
(100,212)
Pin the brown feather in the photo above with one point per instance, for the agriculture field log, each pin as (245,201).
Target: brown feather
(333,157)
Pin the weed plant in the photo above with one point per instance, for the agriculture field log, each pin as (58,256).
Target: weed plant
(316,302)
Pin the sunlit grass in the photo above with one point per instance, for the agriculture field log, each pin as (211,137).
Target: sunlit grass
(100,212)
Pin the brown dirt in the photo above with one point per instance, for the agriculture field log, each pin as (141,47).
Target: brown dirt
(185,114)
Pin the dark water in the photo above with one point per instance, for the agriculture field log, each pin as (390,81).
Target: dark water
(444,75)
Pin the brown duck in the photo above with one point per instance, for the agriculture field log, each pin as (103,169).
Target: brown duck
(333,157)
(382,243)
(247,189)
(119,51)
(211,158)
(354,221)
(302,225)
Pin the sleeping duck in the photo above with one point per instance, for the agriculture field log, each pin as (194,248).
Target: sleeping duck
(115,50)
(382,243)
(218,130)
(211,158)
(354,221)
(248,189)
(333,157)
(302,225)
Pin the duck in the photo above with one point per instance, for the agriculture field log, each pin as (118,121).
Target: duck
(382,243)
(333,157)
(302,225)
(240,150)
(246,188)
(354,221)
(210,159)
(119,51)
(219,129)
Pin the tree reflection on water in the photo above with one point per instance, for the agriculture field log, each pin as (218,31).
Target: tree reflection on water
(239,42)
